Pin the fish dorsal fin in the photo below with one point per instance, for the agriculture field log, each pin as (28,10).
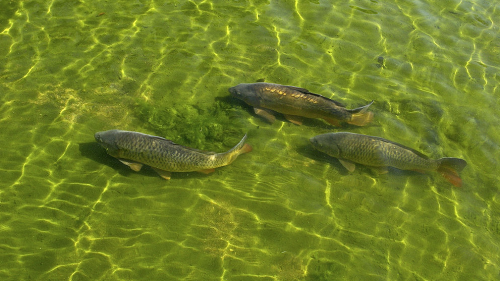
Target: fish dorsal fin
(198,150)
(162,139)
(302,90)
(306,91)
(402,146)
(185,147)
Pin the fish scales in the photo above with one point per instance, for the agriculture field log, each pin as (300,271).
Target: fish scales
(164,154)
(295,102)
(288,100)
(377,152)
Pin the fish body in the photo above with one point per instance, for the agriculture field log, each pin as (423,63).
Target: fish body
(164,156)
(295,102)
(380,153)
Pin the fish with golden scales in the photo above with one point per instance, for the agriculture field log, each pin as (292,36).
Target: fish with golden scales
(136,149)
(379,153)
(294,103)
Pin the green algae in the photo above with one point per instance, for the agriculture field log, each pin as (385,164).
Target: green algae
(215,127)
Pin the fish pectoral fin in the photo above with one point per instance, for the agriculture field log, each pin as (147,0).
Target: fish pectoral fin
(381,170)
(350,166)
(133,165)
(266,114)
(294,119)
(162,173)
(206,171)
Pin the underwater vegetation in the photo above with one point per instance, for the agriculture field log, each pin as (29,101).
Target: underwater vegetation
(216,127)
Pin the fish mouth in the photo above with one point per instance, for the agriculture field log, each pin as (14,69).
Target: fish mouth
(313,141)
(233,91)
(97,137)
(100,141)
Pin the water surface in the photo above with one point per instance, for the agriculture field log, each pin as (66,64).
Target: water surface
(282,212)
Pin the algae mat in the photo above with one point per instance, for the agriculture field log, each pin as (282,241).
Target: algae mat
(282,212)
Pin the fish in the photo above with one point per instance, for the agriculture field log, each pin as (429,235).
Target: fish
(379,153)
(136,149)
(294,103)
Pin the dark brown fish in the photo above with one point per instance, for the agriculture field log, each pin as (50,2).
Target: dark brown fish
(295,102)
(380,153)
(164,156)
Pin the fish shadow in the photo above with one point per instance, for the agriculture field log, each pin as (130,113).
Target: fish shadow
(95,152)
(311,153)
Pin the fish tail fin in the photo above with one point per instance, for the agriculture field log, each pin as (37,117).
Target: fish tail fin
(361,116)
(238,149)
(449,168)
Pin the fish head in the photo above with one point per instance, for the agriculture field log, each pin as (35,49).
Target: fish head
(107,139)
(246,93)
(326,144)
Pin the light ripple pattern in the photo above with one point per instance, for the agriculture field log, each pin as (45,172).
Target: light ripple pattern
(68,69)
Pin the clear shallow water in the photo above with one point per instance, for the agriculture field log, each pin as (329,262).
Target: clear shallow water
(282,212)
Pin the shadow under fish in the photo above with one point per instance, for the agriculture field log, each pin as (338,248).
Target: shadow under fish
(380,153)
(294,103)
(164,156)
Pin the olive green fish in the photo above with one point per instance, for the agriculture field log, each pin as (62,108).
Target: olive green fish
(295,102)
(164,156)
(380,153)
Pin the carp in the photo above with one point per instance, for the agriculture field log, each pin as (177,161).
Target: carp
(295,102)
(380,153)
(164,156)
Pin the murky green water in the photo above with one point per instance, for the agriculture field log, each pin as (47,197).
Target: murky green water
(282,212)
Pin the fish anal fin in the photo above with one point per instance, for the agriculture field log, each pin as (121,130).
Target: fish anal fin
(350,166)
(164,174)
(294,119)
(206,171)
(266,114)
(133,165)
(333,121)
(419,171)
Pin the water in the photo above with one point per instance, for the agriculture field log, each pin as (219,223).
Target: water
(282,212)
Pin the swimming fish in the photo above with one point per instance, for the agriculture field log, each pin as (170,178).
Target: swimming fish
(164,156)
(294,102)
(380,153)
